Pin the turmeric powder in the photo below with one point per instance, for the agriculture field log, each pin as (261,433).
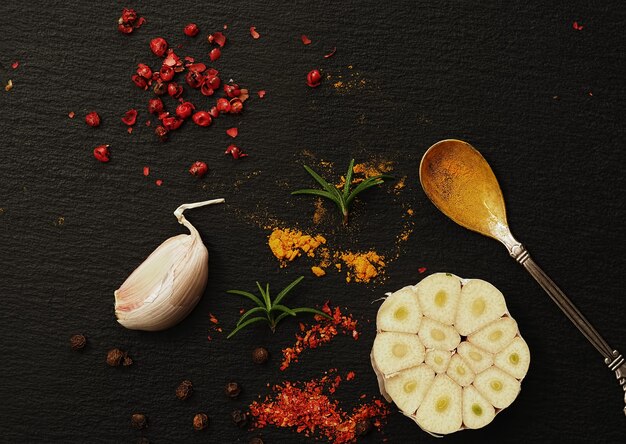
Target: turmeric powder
(363,267)
(289,244)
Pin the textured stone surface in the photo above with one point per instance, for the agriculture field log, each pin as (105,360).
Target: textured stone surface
(72,229)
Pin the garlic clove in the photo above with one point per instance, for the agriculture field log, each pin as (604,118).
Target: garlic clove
(167,286)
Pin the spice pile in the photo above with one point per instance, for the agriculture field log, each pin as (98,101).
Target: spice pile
(318,334)
(308,409)
(287,244)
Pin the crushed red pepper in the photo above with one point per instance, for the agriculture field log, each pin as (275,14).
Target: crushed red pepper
(306,408)
(306,40)
(318,334)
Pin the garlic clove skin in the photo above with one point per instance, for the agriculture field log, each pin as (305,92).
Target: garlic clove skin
(167,286)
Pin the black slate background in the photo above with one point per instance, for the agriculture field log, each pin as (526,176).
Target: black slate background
(486,72)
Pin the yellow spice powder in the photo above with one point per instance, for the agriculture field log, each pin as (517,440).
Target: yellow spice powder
(288,244)
(363,267)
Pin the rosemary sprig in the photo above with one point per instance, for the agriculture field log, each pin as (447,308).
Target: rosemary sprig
(343,198)
(268,310)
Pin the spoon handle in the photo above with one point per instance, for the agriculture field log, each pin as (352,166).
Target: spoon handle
(612,358)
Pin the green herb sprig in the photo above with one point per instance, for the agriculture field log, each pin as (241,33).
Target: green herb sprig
(343,198)
(268,310)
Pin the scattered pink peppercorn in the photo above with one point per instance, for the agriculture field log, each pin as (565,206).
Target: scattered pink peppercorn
(261,94)
(155,106)
(306,40)
(15,64)
(191,30)
(161,133)
(218,38)
(198,169)
(236,106)
(214,112)
(102,153)
(167,73)
(174,90)
(171,123)
(212,80)
(159,88)
(234,151)
(232,132)
(144,71)
(158,46)
(194,79)
(232,90)
(146,171)
(197,67)
(255,35)
(92,119)
(184,110)
(158,182)
(130,117)
(206,89)
(215,54)
(129,21)
(139,81)
(314,78)
(223,105)
(202,118)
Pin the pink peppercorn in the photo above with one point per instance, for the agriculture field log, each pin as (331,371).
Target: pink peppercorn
(102,153)
(191,30)
(202,118)
(198,169)
(158,46)
(92,119)
(155,106)
(314,78)
(184,110)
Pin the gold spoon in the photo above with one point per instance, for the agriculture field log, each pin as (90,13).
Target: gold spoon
(460,182)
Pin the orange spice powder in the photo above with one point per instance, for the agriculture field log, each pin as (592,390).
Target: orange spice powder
(288,244)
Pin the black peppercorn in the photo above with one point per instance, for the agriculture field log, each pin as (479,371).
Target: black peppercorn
(184,390)
(240,418)
(256,440)
(114,357)
(139,421)
(363,427)
(260,355)
(232,390)
(200,421)
(78,342)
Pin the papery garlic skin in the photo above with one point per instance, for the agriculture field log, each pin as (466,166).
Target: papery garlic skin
(167,286)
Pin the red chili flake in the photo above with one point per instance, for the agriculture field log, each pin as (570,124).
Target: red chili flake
(213,319)
(129,130)
(261,94)
(92,119)
(215,54)
(307,408)
(218,38)
(255,35)
(421,270)
(102,153)
(146,171)
(577,26)
(306,40)
(191,30)
(331,53)
(318,334)
(202,118)
(314,78)
(158,182)
(350,376)
(71,114)
(235,152)
(232,132)
(158,46)
(130,117)
(199,169)
(148,123)
(15,64)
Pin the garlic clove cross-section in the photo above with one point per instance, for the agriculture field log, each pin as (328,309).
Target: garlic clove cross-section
(166,287)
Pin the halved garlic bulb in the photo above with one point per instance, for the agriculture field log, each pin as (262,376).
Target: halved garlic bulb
(164,289)
(474,357)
